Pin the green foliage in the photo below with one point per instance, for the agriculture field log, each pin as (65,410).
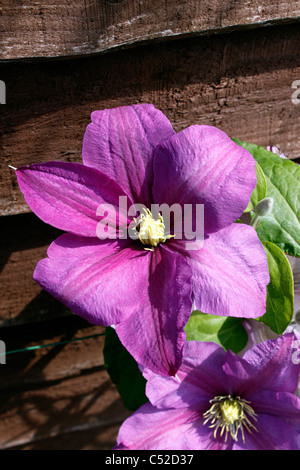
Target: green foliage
(282,226)
(280,291)
(228,332)
(260,190)
(124,371)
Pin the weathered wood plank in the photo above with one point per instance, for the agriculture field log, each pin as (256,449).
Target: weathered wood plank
(91,437)
(24,241)
(68,406)
(62,348)
(52,28)
(57,396)
(240,82)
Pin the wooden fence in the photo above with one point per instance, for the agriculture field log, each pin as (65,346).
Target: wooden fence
(228,63)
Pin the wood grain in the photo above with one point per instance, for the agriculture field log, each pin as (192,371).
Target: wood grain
(240,82)
(66,348)
(90,437)
(51,28)
(59,395)
(24,241)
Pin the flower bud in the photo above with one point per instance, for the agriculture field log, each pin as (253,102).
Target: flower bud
(264,207)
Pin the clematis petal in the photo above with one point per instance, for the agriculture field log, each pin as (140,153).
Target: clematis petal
(120,143)
(154,335)
(199,377)
(238,373)
(284,405)
(98,280)
(152,429)
(177,419)
(68,196)
(202,165)
(272,434)
(230,273)
(273,366)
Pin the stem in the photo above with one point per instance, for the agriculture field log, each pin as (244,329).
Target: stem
(254,222)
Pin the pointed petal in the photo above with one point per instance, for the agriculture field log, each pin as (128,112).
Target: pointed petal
(277,368)
(239,374)
(152,429)
(267,366)
(272,434)
(98,280)
(120,143)
(199,378)
(202,165)
(154,335)
(284,405)
(68,196)
(230,273)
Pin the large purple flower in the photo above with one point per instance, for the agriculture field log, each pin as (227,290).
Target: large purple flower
(146,287)
(220,401)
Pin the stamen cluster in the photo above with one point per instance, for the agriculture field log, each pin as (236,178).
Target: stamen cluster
(230,415)
(150,231)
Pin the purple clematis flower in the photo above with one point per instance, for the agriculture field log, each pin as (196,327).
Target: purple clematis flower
(220,401)
(147,286)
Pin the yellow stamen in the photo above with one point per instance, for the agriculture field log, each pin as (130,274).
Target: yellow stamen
(150,231)
(230,415)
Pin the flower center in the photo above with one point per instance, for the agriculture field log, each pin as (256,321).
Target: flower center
(230,415)
(150,231)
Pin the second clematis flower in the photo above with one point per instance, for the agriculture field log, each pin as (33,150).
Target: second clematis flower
(147,286)
(220,401)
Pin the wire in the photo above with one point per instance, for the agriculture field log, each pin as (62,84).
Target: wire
(40,346)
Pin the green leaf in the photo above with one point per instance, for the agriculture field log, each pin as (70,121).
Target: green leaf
(228,332)
(282,226)
(260,191)
(280,290)
(124,371)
